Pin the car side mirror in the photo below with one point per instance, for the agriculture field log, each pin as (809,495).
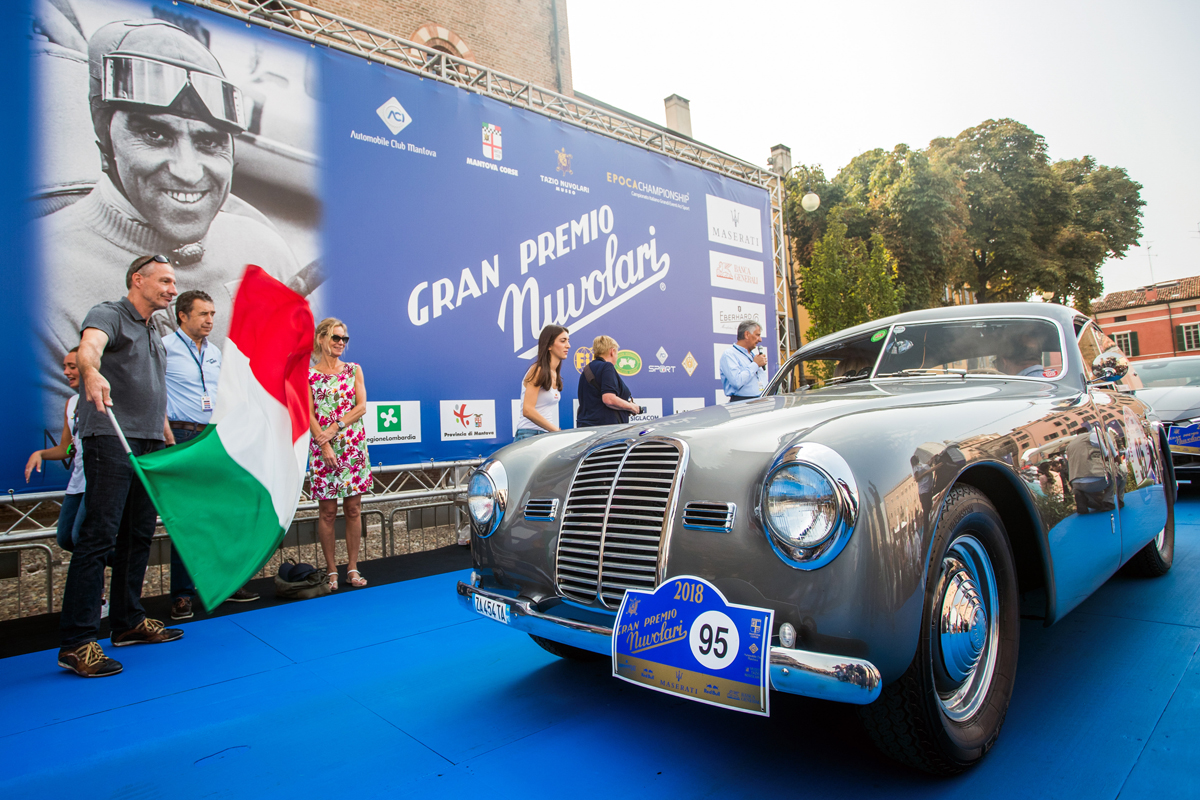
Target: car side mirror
(1109,366)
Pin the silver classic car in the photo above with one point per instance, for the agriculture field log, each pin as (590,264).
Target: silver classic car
(898,498)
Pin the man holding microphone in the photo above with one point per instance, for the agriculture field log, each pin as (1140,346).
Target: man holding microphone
(744,373)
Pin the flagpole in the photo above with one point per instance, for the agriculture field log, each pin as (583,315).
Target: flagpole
(120,434)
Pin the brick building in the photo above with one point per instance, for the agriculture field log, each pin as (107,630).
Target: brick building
(1153,321)
(526,39)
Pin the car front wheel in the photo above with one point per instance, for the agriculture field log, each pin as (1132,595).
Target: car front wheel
(945,712)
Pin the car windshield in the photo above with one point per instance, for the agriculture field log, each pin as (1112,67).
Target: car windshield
(1169,372)
(1022,348)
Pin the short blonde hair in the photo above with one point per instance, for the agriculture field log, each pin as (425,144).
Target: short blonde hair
(323,328)
(602,345)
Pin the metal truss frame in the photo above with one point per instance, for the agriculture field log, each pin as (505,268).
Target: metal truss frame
(320,27)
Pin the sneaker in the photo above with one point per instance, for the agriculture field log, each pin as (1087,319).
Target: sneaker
(148,631)
(88,661)
(181,608)
(242,595)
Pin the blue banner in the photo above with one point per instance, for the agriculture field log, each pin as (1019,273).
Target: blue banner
(684,638)
(445,228)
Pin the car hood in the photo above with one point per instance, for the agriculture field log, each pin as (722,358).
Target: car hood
(770,418)
(1172,403)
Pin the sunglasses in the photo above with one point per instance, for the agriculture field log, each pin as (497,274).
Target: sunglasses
(339,339)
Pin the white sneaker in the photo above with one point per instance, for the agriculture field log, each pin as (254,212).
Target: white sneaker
(103,608)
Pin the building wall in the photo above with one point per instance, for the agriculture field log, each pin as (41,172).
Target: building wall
(1155,326)
(526,39)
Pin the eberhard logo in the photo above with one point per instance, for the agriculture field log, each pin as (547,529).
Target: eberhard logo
(394,116)
(628,362)
(583,357)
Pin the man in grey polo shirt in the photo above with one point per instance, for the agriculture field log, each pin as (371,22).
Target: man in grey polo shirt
(193,371)
(122,366)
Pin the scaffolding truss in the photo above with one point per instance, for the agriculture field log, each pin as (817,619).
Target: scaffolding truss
(320,28)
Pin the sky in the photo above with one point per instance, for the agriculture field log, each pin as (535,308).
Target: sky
(1118,81)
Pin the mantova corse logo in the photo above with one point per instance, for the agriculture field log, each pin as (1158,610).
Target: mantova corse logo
(628,362)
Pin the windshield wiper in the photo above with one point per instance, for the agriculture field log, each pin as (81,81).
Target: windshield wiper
(908,373)
(845,379)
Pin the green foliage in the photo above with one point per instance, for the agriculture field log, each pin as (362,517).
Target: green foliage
(985,209)
(848,282)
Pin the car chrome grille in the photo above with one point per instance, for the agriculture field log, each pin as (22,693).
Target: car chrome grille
(541,509)
(703,515)
(613,521)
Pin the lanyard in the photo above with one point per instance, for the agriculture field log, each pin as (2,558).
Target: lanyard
(754,365)
(197,360)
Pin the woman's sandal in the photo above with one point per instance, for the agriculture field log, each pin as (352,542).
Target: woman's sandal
(357,581)
(333,578)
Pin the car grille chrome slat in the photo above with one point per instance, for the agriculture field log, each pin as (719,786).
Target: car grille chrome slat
(613,521)
(709,516)
(541,509)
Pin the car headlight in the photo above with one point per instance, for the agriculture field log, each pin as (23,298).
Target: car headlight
(487,494)
(809,505)
(802,507)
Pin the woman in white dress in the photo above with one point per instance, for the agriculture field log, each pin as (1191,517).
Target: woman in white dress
(541,387)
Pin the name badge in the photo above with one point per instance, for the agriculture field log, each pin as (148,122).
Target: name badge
(206,403)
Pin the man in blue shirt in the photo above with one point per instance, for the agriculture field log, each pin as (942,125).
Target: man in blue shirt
(193,370)
(744,373)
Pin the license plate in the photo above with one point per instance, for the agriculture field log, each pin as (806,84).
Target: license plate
(492,609)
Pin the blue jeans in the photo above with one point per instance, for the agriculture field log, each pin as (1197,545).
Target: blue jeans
(120,517)
(525,433)
(181,581)
(70,520)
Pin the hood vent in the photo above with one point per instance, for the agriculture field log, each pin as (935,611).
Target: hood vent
(709,516)
(541,509)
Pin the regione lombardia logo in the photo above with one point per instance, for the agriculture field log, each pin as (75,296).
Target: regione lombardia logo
(491,142)
(389,418)
(394,116)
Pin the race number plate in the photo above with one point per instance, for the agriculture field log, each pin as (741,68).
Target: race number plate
(1184,439)
(493,609)
(684,638)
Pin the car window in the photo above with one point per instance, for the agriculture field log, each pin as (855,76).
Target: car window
(1170,372)
(1026,348)
(838,362)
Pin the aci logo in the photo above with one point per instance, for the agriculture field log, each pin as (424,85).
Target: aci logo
(628,362)
(388,418)
(583,357)
(394,116)
(491,142)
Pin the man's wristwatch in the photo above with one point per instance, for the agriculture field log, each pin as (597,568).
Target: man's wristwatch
(341,425)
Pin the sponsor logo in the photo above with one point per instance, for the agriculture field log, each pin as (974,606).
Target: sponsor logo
(735,272)
(394,116)
(678,675)
(727,314)
(653,409)
(753,648)
(564,162)
(734,224)
(690,363)
(391,422)
(661,355)
(563,167)
(712,689)
(756,627)
(491,142)
(583,357)
(648,191)
(647,673)
(628,362)
(468,419)
(633,605)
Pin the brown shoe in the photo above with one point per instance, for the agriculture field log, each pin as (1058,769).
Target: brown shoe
(88,661)
(181,608)
(242,595)
(148,631)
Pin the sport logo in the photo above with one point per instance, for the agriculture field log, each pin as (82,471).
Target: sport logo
(583,357)
(564,162)
(491,142)
(389,418)
(394,116)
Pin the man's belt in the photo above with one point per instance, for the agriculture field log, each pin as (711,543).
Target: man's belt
(179,425)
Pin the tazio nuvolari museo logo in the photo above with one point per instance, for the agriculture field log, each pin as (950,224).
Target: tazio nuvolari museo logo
(394,115)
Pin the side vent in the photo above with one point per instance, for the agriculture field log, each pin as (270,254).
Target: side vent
(541,509)
(707,516)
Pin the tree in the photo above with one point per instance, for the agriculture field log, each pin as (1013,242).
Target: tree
(846,282)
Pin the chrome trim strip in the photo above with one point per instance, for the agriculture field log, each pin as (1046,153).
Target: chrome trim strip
(839,678)
(540,513)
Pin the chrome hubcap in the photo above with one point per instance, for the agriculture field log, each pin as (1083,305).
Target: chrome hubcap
(967,628)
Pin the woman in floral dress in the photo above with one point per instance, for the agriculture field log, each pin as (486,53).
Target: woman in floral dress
(340,468)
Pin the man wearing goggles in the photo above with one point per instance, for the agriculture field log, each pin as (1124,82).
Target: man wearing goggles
(165,118)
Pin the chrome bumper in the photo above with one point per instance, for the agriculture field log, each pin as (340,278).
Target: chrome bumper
(839,678)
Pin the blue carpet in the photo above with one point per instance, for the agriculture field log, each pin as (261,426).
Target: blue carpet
(393,691)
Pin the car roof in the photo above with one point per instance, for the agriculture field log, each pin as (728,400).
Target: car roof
(1049,311)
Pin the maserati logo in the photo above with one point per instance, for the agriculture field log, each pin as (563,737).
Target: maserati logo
(678,676)
(564,162)
(735,216)
(394,116)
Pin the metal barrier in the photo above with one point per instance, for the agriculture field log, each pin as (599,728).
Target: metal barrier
(30,522)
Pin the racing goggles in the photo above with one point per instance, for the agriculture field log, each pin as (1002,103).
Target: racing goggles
(144,81)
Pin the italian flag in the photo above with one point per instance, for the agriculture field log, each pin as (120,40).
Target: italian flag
(228,496)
